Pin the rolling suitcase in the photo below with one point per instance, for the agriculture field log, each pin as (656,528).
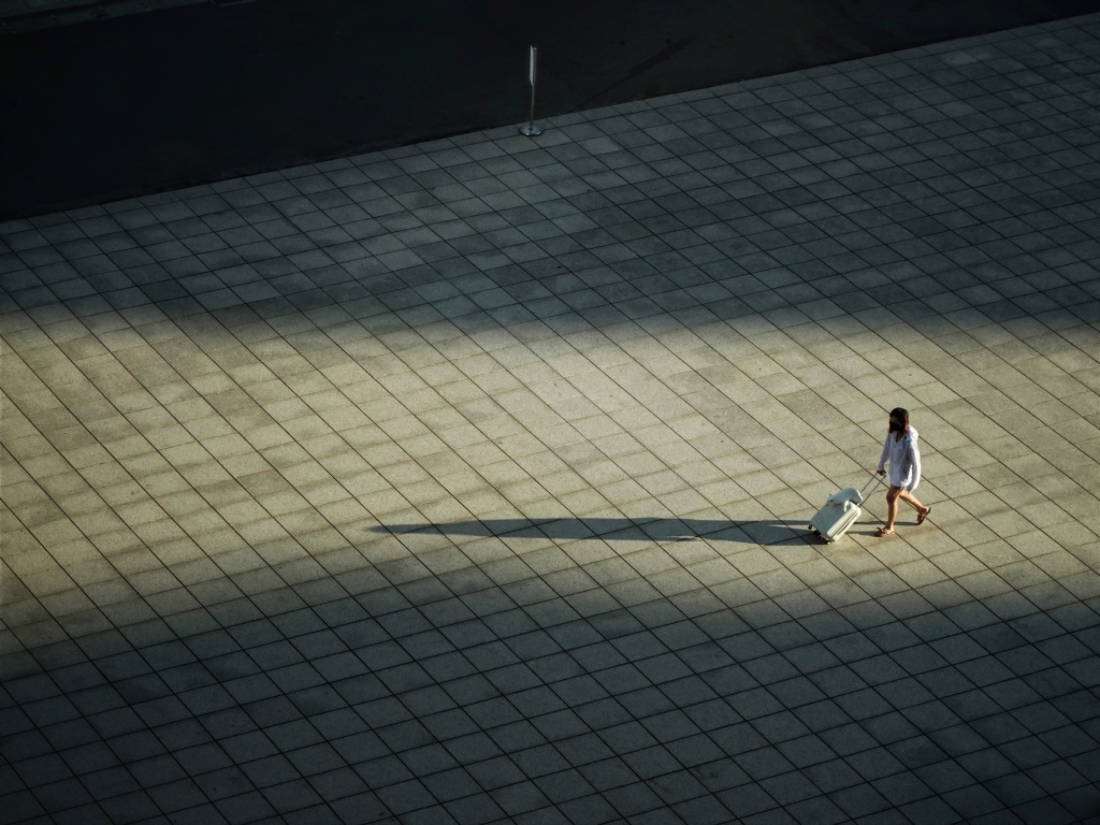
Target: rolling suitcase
(840,512)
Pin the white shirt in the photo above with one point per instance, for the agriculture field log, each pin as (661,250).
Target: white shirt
(904,457)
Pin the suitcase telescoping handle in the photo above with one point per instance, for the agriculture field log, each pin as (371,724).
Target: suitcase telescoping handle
(875,477)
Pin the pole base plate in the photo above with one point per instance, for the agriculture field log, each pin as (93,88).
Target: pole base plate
(530,129)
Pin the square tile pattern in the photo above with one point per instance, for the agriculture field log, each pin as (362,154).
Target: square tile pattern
(468,482)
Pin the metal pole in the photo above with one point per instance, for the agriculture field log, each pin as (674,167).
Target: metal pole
(530,128)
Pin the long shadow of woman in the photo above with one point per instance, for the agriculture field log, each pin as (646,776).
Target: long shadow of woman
(764,531)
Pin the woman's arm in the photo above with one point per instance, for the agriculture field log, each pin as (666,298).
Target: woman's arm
(885,454)
(914,461)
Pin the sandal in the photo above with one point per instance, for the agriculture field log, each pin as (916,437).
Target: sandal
(926,514)
(883,533)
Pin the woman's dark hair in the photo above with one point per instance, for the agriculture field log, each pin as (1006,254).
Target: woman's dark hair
(903,414)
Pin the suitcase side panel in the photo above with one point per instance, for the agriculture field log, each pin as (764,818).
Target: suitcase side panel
(845,523)
(833,521)
(825,519)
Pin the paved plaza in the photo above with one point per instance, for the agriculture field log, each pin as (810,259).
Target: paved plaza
(468,482)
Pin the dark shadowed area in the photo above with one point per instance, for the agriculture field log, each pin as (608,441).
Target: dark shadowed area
(454,699)
(145,103)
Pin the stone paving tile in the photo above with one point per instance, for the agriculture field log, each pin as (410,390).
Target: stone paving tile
(468,482)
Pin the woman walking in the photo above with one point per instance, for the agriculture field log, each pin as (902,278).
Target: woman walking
(903,455)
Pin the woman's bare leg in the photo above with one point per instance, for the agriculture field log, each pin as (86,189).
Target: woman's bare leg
(913,501)
(892,496)
(891,510)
